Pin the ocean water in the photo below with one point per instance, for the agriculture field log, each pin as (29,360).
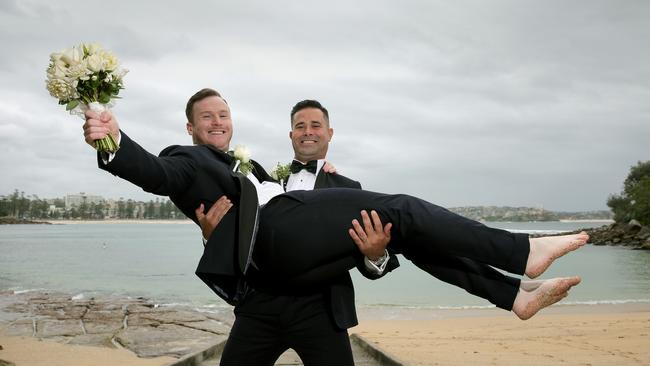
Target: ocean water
(158,261)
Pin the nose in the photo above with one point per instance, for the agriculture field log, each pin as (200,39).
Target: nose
(216,120)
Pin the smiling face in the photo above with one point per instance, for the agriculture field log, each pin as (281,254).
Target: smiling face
(211,123)
(310,134)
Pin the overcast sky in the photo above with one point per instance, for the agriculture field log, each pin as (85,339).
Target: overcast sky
(518,103)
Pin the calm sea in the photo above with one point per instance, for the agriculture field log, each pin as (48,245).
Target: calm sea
(158,261)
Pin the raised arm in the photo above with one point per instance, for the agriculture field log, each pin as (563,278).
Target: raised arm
(166,175)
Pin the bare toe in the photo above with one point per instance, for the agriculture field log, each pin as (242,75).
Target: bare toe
(550,292)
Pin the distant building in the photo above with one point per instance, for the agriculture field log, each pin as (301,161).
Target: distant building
(76,200)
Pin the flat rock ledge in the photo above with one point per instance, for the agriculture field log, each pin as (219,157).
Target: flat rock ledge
(137,324)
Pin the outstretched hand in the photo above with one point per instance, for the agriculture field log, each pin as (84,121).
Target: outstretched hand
(373,238)
(98,126)
(211,219)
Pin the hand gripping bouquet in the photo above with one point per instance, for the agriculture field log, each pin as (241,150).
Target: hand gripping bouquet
(86,77)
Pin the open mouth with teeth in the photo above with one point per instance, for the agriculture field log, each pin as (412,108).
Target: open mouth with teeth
(219,132)
(308,142)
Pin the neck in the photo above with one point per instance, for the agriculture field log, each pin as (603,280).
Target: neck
(305,160)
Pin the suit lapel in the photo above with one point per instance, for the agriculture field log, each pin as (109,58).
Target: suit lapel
(261,173)
(322,180)
(224,156)
(248,209)
(248,221)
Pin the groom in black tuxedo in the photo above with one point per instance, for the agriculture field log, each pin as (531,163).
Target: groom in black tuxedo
(314,320)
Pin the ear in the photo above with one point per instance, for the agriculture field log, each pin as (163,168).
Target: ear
(290,135)
(331,133)
(189,128)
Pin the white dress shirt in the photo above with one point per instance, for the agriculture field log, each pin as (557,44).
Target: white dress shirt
(304,180)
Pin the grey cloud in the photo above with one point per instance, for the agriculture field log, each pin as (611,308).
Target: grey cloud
(513,103)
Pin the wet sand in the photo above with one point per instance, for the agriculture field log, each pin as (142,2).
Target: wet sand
(26,351)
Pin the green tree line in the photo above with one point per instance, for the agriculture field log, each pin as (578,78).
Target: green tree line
(634,201)
(21,206)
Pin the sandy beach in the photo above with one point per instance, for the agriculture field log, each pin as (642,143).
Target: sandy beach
(24,351)
(562,335)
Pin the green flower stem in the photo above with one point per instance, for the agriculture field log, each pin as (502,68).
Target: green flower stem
(107,144)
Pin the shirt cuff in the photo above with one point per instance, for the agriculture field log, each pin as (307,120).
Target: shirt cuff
(378,266)
(108,157)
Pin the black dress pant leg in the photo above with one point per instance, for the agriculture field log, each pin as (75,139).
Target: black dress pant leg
(313,334)
(303,230)
(476,278)
(256,337)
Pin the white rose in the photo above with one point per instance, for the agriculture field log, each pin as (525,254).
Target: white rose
(91,48)
(57,70)
(78,72)
(242,153)
(72,56)
(95,63)
(110,61)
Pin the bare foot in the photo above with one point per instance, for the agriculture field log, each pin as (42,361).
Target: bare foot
(530,285)
(544,250)
(528,303)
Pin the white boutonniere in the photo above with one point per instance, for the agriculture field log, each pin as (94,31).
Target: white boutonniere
(243,157)
(281,172)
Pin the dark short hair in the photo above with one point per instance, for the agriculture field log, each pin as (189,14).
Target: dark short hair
(198,96)
(309,103)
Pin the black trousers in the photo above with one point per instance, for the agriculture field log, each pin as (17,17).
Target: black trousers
(429,235)
(481,281)
(267,325)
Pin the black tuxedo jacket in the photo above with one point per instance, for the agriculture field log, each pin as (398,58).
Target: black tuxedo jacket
(191,175)
(341,290)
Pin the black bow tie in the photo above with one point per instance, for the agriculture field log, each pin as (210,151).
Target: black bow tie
(297,166)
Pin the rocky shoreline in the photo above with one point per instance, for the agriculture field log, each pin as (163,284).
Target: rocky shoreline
(15,221)
(137,324)
(632,235)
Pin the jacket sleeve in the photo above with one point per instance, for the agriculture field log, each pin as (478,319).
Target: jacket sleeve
(169,173)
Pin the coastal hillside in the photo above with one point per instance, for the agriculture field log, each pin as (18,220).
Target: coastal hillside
(521,214)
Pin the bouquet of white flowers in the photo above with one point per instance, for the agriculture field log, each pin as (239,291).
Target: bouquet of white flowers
(86,77)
